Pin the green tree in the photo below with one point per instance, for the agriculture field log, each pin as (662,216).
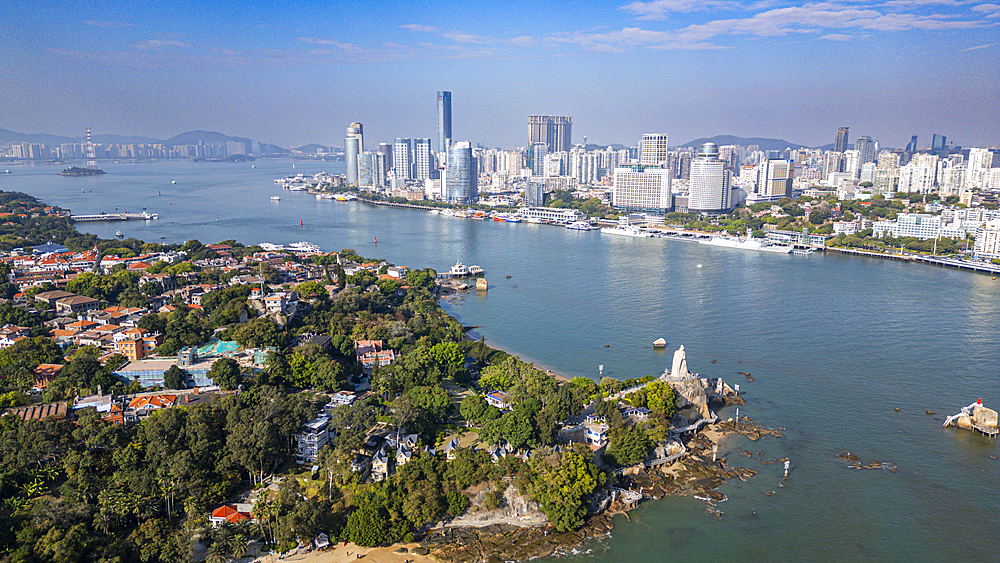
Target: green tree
(476,410)
(328,375)
(225,373)
(369,524)
(661,398)
(449,357)
(561,487)
(434,401)
(175,378)
(628,446)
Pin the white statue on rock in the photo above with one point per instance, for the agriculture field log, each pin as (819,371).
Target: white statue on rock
(679,370)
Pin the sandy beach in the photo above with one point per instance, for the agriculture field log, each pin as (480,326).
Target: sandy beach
(339,553)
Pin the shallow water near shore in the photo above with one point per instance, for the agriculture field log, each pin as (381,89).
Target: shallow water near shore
(834,344)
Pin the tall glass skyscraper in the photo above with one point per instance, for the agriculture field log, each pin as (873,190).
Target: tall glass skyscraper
(354,145)
(938,142)
(461,176)
(840,143)
(444,121)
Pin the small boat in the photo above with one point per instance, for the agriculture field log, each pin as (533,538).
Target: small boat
(512,219)
(118,234)
(275,198)
(581,226)
(6,171)
(173,181)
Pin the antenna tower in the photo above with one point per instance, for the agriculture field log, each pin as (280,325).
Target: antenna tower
(91,159)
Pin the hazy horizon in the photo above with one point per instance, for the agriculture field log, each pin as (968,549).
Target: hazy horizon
(298,73)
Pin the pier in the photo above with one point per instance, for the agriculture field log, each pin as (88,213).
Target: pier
(945,262)
(399,205)
(114,217)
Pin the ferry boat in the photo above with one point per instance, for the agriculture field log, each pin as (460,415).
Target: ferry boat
(581,226)
(147,216)
(631,231)
(459,269)
(748,243)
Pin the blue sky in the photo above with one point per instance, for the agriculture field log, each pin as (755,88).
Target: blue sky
(297,72)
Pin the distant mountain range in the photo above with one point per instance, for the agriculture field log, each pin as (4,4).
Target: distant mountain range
(763,143)
(188,138)
(311,148)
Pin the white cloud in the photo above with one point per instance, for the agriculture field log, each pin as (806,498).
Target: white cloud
(658,9)
(156,44)
(916,3)
(978,47)
(837,37)
(522,41)
(109,25)
(419,27)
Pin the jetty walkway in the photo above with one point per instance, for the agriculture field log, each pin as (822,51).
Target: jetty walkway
(944,262)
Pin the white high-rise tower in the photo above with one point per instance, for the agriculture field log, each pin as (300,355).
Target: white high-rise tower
(709,188)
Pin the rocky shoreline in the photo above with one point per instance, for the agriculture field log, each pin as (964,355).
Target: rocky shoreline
(695,475)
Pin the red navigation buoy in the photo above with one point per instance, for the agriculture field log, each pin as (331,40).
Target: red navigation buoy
(300,222)
(376,240)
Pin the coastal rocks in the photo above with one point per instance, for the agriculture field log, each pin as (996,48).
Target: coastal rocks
(513,509)
(509,543)
(856,463)
(746,427)
(975,417)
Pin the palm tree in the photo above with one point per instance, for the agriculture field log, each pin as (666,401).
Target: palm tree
(216,554)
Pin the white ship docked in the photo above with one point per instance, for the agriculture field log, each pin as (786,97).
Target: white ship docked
(631,231)
(748,243)
(581,226)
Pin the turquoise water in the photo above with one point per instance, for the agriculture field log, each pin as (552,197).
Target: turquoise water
(835,344)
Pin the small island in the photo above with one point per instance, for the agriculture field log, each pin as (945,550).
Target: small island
(77,171)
